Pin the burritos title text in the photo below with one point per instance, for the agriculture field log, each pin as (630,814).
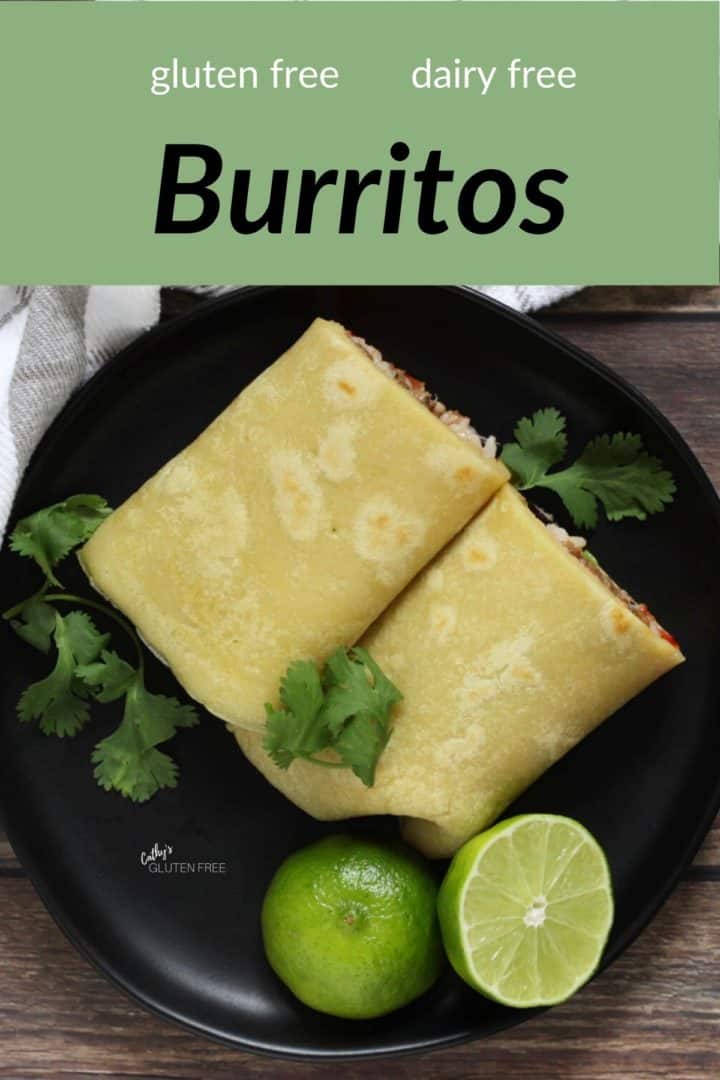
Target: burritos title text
(404,187)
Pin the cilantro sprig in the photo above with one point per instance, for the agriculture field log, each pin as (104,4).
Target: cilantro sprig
(85,670)
(613,470)
(48,535)
(346,710)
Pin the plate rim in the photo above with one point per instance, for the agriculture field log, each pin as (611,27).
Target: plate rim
(506,1021)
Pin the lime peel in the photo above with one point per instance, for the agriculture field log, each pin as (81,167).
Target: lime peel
(350,926)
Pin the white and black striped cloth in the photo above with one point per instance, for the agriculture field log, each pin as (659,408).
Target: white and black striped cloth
(52,339)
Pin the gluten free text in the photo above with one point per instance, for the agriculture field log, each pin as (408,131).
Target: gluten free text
(281,74)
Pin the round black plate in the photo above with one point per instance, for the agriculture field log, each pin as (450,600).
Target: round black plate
(188,945)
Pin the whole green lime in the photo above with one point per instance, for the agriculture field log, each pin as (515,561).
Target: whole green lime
(350,926)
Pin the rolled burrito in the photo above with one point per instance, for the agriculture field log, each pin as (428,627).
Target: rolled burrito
(509,648)
(292,521)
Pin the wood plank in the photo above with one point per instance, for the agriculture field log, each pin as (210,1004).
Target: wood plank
(7,855)
(709,853)
(652,299)
(656,1012)
(597,300)
(674,362)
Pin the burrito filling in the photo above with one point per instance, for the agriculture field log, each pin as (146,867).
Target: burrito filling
(457,423)
(576,545)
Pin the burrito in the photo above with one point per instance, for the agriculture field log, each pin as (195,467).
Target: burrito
(292,521)
(509,648)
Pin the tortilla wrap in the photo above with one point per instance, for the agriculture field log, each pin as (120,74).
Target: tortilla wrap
(508,650)
(292,521)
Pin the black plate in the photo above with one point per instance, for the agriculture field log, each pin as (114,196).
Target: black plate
(188,946)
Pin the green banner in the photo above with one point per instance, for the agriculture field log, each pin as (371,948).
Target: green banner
(395,142)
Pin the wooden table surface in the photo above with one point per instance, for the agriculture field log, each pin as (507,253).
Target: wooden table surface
(655,1013)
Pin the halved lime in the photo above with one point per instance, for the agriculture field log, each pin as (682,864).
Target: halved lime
(526,908)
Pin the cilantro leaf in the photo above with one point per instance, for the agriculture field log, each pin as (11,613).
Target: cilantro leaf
(48,535)
(84,638)
(356,684)
(385,693)
(613,470)
(360,690)
(360,744)
(580,504)
(540,443)
(348,711)
(347,690)
(37,625)
(621,474)
(160,716)
(280,736)
(128,761)
(124,764)
(301,694)
(296,730)
(58,701)
(110,677)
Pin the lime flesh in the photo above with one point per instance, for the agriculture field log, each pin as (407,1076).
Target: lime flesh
(526,908)
(350,926)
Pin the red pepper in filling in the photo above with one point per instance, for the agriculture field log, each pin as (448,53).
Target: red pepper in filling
(664,634)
